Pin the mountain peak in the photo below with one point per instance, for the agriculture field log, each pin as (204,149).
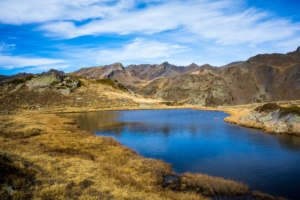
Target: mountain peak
(193,65)
(53,71)
(295,53)
(118,66)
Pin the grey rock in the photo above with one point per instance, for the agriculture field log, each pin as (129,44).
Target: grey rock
(59,83)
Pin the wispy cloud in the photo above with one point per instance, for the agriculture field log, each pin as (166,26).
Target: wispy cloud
(221,21)
(138,31)
(36,11)
(15,62)
(137,51)
(6,47)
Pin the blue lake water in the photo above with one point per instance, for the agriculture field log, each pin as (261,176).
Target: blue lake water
(201,142)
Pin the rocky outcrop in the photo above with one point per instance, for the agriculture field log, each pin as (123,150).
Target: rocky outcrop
(262,78)
(275,120)
(52,81)
(204,90)
(53,71)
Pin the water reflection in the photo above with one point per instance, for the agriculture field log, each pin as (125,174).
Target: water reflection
(194,142)
(291,143)
(94,120)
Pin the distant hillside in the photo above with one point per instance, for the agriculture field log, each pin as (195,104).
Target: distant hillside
(4,78)
(265,77)
(137,75)
(261,78)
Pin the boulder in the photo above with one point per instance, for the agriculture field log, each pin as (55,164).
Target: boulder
(57,82)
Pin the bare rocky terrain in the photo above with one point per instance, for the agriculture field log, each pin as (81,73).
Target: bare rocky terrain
(261,78)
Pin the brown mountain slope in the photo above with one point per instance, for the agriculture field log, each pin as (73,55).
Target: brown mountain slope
(137,76)
(207,89)
(106,71)
(261,78)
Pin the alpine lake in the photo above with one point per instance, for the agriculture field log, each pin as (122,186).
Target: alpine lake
(199,141)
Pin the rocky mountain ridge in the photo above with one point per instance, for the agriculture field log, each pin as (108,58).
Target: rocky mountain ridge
(261,78)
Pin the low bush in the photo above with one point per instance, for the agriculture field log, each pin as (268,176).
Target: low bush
(111,83)
(270,107)
(170,103)
(289,110)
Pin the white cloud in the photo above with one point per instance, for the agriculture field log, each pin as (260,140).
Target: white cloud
(221,21)
(139,50)
(35,11)
(6,47)
(15,62)
(287,45)
(188,29)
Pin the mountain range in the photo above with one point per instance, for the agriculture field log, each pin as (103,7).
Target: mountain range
(261,78)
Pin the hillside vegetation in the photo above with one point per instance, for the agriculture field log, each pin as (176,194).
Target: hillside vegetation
(46,156)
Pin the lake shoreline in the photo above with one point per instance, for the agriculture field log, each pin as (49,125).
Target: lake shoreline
(55,149)
(25,130)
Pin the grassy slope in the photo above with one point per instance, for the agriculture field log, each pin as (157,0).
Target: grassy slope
(70,163)
(63,162)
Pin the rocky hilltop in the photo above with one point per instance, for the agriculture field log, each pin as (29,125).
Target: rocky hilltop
(262,78)
(46,81)
(137,76)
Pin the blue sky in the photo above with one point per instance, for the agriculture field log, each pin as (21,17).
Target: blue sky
(36,35)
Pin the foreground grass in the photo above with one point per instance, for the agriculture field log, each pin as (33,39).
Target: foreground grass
(44,156)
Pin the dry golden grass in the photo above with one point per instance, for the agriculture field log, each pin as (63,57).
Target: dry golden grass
(212,186)
(263,196)
(68,163)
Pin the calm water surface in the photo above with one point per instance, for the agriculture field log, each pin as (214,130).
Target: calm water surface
(201,142)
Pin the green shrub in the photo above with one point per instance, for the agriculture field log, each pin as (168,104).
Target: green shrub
(288,110)
(111,83)
(105,81)
(270,107)
(122,87)
(170,103)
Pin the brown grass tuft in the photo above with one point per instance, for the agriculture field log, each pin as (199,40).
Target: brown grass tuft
(264,196)
(69,163)
(212,186)
(268,107)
